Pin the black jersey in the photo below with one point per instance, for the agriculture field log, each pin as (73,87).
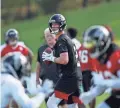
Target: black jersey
(64,44)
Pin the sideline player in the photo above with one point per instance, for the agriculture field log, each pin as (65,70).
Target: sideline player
(12,44)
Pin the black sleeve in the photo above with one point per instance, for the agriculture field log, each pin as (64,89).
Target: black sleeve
(62,46)
(38,56)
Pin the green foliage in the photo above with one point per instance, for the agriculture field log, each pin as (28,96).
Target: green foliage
(49,6)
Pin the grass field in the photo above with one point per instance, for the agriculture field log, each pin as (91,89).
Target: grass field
(31,31)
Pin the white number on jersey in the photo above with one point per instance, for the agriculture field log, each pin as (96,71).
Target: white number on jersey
(83,56)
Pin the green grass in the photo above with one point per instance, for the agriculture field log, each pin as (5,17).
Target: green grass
(31,31)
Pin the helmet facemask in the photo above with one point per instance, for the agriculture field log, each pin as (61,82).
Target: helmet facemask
(57,23)
(12,37)
(54,28)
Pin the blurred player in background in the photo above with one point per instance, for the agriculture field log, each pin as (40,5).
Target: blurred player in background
(65,58)
(88,67)
(14,66)
(47,71)
(12,44)
(99,41)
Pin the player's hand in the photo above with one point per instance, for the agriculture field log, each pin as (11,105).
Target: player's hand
(47,87)
(48,57)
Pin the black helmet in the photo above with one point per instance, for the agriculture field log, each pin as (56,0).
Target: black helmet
(97,39)
(111,31)
(11,34)
(57,19)
(16,64)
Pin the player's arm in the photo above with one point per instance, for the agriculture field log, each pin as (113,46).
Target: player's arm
(63,50)
(112,83)
(30,55)
(37,72)
(38,68)
(27,51)
(63,59)
(19,95)
(63,55)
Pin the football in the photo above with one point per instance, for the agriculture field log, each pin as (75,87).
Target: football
(48,50)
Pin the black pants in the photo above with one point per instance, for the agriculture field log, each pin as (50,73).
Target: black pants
(86,80)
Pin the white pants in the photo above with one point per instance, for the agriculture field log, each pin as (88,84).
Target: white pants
(12,88)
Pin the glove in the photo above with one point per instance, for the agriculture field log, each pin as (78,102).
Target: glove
(47,87)
(48,57)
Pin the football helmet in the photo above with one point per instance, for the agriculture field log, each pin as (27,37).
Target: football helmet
(97,40)
(57,23)
(11,36)
(111,31)
(16,64)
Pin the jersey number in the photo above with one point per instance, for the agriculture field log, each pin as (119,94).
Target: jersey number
(83,56)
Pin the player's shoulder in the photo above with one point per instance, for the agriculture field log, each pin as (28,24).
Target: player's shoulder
(3,46)
(76,43)
(21,43)
(115,53)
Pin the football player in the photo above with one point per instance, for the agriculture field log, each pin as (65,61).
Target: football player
(98,40)
(65,58)
(14,66)
(12,44)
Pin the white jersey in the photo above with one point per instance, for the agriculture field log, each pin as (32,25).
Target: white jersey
(77,46)
(12,88)
(77,43)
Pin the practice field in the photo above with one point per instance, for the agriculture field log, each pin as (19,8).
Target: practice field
(31,31)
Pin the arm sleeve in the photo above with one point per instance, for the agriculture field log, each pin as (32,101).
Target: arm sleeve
(62,47)
(112,83)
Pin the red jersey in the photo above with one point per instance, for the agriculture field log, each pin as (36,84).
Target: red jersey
(20,47)
(111,64)
(85,59)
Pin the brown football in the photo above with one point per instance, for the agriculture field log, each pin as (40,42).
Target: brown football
(48,50)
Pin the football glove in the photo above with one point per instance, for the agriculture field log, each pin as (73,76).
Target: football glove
(48,57)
